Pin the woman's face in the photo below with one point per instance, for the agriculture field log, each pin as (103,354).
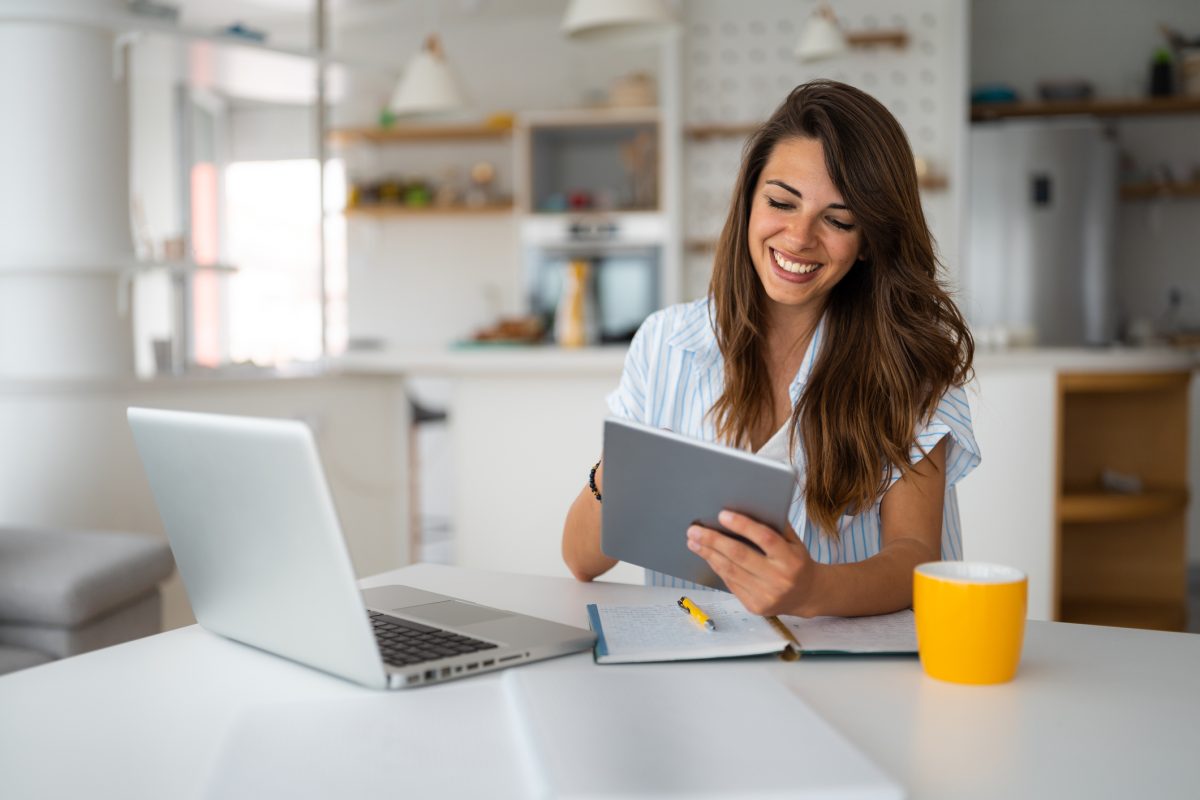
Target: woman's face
(803,239)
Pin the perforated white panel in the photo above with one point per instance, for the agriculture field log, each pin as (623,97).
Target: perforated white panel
(739,64)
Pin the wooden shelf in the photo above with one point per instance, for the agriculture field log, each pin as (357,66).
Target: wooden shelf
(424,133)
(719,130)
(427,211)
(1130,107)
(1098,506)
(1161,616)
(1153,190)
(1120,382)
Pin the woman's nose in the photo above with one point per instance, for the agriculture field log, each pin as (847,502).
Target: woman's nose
(801,230)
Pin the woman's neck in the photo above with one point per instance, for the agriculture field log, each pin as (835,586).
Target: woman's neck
(789,332)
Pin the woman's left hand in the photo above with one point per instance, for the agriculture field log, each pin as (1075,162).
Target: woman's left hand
(777,581)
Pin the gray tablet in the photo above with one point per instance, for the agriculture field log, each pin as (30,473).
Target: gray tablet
(657,483)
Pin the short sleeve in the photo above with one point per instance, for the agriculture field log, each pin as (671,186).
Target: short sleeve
(628,400)
(951,420)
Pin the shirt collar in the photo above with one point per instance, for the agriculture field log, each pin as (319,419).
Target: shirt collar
(698,336)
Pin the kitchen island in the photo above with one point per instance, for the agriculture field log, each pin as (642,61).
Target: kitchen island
(526,425)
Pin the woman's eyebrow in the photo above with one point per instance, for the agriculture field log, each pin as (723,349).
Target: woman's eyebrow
(796,192)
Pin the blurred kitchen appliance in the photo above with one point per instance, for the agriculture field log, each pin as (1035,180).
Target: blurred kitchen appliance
(623,253)
(1042,215)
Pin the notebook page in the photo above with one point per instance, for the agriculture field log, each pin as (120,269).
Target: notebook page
(885,633)
(663,631)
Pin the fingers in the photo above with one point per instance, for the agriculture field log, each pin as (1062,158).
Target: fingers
(773,543)
(728,557)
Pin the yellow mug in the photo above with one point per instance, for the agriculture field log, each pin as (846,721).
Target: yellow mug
(970,620)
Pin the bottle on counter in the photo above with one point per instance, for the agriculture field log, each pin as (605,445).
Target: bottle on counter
(574,321)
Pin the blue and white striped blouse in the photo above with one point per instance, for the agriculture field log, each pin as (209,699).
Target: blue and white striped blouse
(674,373)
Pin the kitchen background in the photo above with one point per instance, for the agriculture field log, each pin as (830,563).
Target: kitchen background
(393,312)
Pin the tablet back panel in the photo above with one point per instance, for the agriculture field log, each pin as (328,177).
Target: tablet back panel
(657,483)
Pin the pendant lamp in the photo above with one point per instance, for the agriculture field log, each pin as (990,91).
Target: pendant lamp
(429,85)
(823,37)
(595,20)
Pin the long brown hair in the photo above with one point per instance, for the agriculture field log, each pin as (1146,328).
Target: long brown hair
(893,342)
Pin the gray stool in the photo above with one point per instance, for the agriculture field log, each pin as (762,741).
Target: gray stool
(67,592)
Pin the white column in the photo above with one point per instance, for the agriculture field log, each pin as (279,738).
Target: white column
(64,197)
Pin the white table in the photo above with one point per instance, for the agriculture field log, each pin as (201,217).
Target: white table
(1093,712)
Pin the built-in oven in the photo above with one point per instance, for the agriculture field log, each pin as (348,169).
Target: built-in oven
(620,256)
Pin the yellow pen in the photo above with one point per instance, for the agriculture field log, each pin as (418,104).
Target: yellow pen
(696,614)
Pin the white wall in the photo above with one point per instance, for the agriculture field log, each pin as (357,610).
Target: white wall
(739,64)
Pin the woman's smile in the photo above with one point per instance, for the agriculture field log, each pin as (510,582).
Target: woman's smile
(794,268)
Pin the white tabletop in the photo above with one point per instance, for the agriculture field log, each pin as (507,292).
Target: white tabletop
(1093,711)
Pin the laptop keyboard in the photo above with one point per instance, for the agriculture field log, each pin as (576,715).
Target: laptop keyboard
(402,642)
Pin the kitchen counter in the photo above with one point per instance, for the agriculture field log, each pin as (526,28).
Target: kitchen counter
(526,424)
(495,359)
(1088,359)
(548,360)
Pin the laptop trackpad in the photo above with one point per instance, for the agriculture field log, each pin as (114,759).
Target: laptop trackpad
(452,613)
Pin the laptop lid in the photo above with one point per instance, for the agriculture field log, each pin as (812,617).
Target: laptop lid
(256,537)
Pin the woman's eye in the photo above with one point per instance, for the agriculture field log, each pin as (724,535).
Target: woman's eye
(841,226)
(773,203)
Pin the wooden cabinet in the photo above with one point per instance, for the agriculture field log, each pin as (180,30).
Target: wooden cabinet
(1121,556)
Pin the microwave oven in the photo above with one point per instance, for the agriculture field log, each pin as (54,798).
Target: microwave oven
(624,255)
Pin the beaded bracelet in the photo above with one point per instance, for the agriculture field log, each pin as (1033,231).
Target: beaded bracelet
(592,481)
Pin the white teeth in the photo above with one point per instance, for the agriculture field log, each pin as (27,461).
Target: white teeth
(792,266)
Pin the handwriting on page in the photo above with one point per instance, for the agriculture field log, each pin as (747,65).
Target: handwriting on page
(659,626)
(886,633)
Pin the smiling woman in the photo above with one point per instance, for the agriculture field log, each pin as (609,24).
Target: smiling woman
(826,342)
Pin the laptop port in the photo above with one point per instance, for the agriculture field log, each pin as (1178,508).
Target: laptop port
(457,670)
(489,662)
(445,672)
(430,674)
(510,658)
(472,666)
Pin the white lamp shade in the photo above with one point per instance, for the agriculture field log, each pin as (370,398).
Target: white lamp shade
(614,19)
(821,38)
(428,85)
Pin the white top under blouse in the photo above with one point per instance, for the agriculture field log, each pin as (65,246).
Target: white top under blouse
(674,373)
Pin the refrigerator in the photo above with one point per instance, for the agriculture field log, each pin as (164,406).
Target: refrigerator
(1041,217)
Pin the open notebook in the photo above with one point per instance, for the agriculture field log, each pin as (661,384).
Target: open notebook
(662,632)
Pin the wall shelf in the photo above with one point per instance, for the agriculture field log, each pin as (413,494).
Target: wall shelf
(428,211)
(720,130)
(424,133)
(1129,107)
(1152,190)
(1100,506)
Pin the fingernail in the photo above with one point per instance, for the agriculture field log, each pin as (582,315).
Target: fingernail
(725,517)
(693,544)
(692,533)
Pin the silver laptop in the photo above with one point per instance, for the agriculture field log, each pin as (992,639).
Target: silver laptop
(257,542)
